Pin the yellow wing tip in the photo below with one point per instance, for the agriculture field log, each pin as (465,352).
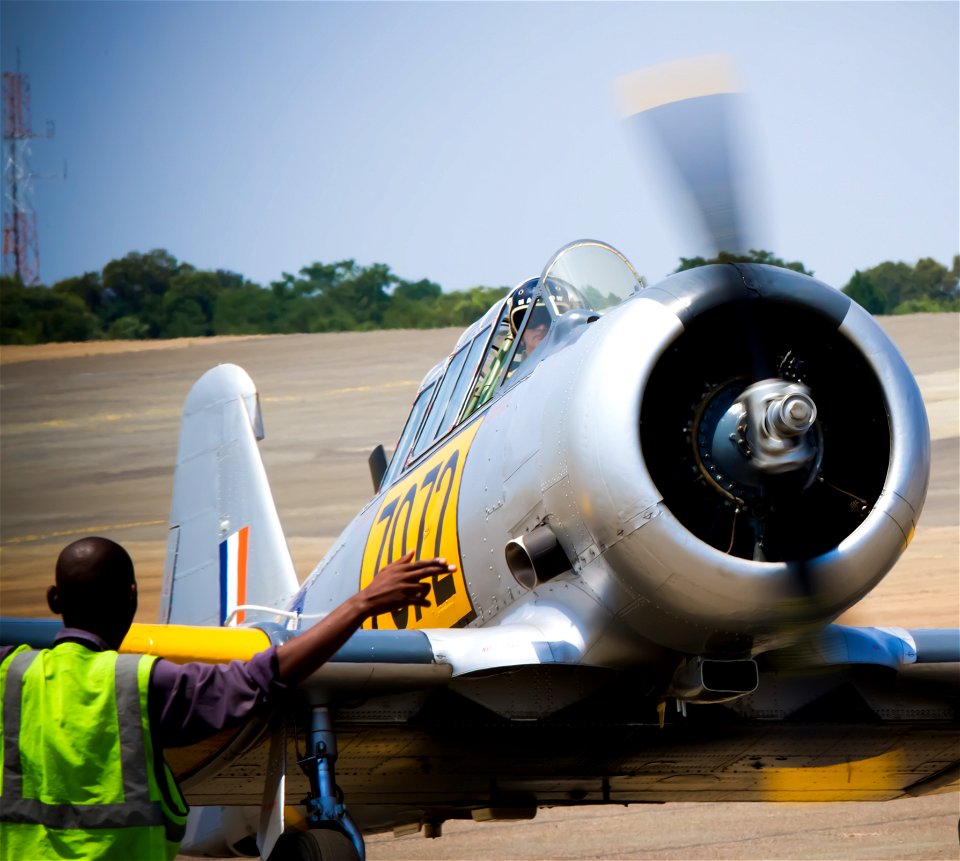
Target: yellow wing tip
(183,643)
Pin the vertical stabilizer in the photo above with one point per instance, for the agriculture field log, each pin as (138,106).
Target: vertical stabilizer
(225,547)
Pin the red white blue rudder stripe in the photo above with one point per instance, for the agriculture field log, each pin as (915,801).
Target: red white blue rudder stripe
(233,575)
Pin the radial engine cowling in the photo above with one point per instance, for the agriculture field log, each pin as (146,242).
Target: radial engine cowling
(777,456)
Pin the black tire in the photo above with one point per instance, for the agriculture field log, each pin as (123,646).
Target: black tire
(317,844)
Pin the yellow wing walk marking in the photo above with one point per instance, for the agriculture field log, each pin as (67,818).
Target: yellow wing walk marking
(870,779)
(84,530)
(183,643)
(420,513)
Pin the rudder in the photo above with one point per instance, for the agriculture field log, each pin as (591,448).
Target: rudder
(225,547)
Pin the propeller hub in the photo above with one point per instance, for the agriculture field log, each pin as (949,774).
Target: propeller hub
(779,415)
(791,415)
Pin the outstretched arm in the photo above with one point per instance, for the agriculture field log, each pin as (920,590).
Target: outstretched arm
(394,587)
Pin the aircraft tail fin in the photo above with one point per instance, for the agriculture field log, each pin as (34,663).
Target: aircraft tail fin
(225,547)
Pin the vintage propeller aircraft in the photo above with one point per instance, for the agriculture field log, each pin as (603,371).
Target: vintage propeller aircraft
(658,499)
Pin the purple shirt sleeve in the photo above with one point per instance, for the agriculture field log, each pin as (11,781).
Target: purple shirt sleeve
(189,702)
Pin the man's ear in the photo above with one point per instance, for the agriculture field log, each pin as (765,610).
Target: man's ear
(133,600)
(53,600)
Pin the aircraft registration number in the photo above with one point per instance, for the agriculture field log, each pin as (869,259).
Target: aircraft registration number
(420,513)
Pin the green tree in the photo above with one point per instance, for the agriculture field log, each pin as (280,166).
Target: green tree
(462,307)
(37,314)
(899,288)
(414,305)
(933,280)
(190,302)
(334,297)
(153,295)
(891,282)
(245,310)
(862,290)
(66,318)
(87,287)
(18,323)
(364,296)
(134,287)
(129,328)
(417,291)
(926,306)
(183,317)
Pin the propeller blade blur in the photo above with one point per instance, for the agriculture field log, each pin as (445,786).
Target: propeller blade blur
(691,109)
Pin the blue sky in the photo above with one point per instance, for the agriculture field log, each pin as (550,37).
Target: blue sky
(466,142)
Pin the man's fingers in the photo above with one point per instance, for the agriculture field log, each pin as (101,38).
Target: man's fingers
(423,574)
(420,567)
(429,563)
(432,569)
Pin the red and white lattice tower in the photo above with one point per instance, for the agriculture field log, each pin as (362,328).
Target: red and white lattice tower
(21,254)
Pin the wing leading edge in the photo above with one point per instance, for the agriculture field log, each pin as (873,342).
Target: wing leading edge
(465,651)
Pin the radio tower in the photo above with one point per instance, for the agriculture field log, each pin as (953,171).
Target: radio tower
(21,254)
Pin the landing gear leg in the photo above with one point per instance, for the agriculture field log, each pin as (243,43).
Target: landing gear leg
(325,805)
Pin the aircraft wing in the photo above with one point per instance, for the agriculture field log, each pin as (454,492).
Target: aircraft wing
(432,656)
(459,651)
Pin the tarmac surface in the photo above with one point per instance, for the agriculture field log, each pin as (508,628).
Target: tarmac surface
(88,437)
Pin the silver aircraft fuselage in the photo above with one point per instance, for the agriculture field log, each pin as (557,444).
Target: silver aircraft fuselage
(563,446)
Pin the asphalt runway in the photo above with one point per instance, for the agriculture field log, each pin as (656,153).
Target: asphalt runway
(88,437)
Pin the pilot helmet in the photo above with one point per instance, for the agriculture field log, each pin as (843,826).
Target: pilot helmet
(520,300)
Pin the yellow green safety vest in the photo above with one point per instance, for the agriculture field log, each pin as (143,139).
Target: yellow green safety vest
(81,775)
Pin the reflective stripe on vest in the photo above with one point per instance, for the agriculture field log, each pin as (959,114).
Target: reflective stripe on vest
(136,810)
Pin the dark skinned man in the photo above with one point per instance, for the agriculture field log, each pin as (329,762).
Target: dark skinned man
(84,728)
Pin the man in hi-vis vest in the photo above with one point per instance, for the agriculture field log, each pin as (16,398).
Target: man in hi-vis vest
(83,773)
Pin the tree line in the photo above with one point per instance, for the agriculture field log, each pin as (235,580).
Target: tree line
(153,295)
(888,288)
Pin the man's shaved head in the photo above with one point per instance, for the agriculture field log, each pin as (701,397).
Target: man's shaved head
(95,588)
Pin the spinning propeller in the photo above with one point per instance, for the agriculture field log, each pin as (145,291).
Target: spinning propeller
(749,404)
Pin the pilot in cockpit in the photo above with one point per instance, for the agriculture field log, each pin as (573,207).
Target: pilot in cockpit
(538,324)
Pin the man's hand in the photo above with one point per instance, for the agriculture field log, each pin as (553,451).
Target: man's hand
(400,584)
(394,587)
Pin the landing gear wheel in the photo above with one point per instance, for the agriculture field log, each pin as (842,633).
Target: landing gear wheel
(317,844)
